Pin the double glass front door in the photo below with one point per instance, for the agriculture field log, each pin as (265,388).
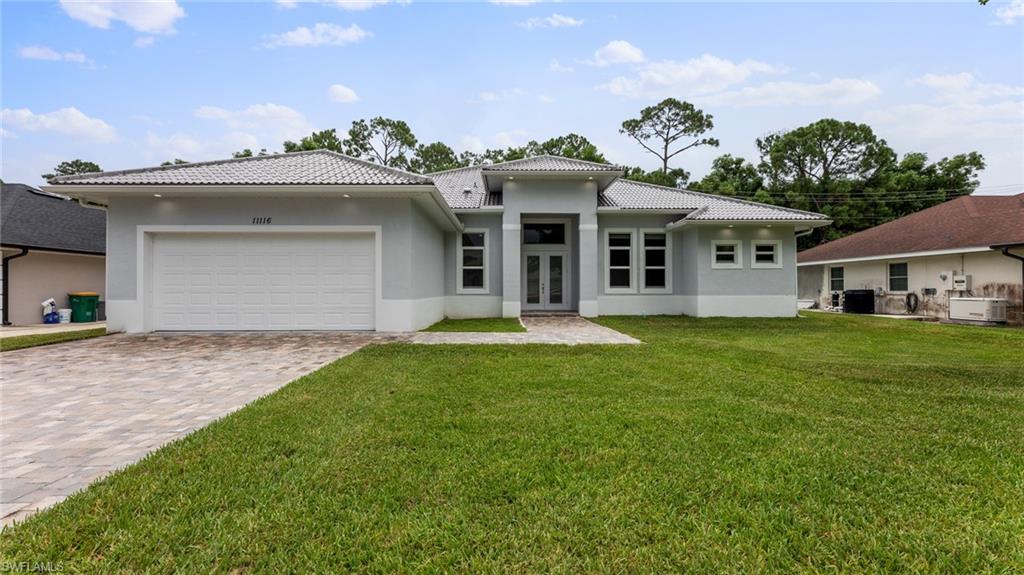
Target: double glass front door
(545,275)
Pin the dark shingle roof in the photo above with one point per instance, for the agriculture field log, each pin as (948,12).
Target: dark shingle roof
(31,218)
(966,222)
(316,167)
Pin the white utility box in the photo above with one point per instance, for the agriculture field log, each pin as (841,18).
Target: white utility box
(986,309)
(962,283)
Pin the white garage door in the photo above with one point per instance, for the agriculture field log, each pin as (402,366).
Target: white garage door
(263,281)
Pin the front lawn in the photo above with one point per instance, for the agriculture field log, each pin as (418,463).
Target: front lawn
(818,444)
(23,341)
(485,324)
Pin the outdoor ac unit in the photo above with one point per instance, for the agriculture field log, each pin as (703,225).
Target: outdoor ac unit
(961,283)
(986,309)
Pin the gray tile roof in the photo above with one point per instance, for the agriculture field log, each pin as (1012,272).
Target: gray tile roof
(317,167)
(453,185)
(630,195)
(39,220)
(548,163)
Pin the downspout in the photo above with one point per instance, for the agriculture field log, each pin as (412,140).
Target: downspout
(7,282)
(1005,250)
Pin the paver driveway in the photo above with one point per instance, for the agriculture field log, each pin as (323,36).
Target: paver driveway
(73,412)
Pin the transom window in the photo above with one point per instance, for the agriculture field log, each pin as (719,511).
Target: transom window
(619,260)
(656,257)
(473,262)
(726,254)
(898,277)
(836,277)
(766,254)
(544,233)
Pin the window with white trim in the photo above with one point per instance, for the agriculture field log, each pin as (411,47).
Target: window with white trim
(619,276)
(766,254)
(898,277)
(726,254)
(472,262)
(655,263)
(836,278)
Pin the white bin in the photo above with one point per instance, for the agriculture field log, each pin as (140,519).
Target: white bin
(65,315)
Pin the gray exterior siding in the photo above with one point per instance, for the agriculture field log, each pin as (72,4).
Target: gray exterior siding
(747,281)
(489,222)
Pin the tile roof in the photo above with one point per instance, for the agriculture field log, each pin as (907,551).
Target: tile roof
(548,163)
(965,222)
(316,167)
(630,195)
(453,185)
(32,218)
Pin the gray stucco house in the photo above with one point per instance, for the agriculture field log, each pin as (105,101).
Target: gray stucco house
(322,241)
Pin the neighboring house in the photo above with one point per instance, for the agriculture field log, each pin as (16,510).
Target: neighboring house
(922,253)
(51,246)
(319,240)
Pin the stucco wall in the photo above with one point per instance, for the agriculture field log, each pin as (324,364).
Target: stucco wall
(993,275)
(40,275)
(412,275)
(474,305)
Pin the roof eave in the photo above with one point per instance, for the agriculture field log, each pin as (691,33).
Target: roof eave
(895,256)
(807,224)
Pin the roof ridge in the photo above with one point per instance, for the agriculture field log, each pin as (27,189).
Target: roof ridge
(171,167)
(374,165)
(454,170)
(566,158)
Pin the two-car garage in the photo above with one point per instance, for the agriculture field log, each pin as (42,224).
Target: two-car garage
(262,281)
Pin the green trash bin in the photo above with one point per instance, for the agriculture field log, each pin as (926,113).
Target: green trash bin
(83,306)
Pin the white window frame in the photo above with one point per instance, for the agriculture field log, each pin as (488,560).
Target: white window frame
(737,265)
(487,263)
(642,268)
(889,276)
(777,244)
(843,279)
(608,260)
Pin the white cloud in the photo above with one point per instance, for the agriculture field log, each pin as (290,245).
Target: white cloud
(556,66)
(545,99)
(153,17)
(273,121)
(342,93)
(963,87)
(838,91)
(47,53)
(510,138)
(957,120)
(696,76)
(351,5)
(552,21)
(69,121)
(144,41)
(1008,14)
(194,149)
(321,34)
(473,144)
(492,96)
(617,52)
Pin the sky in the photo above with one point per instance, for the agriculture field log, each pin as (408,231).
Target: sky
(132,84)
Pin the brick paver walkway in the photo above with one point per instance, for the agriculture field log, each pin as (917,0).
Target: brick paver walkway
(71,413)
(555,329)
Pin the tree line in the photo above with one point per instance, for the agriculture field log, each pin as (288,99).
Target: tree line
(841,169)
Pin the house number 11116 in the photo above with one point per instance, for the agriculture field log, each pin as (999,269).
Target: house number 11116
(261,220)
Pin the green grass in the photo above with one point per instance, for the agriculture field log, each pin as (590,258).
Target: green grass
(23,341)
(819,444)
(486,324)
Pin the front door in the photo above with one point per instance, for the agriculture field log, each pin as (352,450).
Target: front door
(546,281)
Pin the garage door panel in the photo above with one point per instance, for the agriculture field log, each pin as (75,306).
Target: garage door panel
(263,281)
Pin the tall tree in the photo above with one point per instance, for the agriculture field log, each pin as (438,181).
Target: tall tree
(435,157)
(842,169)
(381,140)
(731,176)
(674,178)
(71,168)
(322,140)
(174,162)
(669,128)
(247,153)
(568,146)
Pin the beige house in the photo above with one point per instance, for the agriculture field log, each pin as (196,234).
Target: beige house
(968,247)
(51,246)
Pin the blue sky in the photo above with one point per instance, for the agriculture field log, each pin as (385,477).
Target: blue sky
(130,84)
